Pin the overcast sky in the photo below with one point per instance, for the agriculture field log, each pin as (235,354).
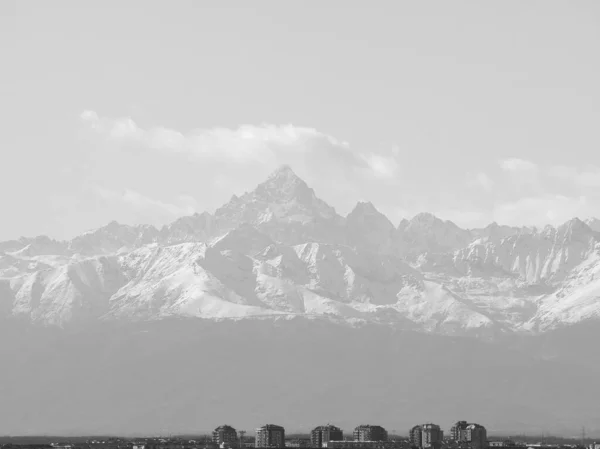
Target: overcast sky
(143,111)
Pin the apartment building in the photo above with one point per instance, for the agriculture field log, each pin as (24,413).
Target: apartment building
(426,436)
(458,431)
(224,434)
(270,435)
(415,436)
(476,436)
(469,435)
(368,432)
(324,434)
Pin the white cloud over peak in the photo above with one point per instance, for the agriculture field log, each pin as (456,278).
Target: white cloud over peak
(516,164)
(539,211)
(268,144)
(233,160)
(582,178)
(265,143)
(527,193)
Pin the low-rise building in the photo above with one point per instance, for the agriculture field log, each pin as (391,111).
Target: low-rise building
(298,443)
(359,445)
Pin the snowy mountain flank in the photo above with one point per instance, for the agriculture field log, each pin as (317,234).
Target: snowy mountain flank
(281,252)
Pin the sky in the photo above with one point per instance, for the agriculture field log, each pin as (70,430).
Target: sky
(144,111)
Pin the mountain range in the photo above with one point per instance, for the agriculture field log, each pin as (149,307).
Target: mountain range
(280,251)
(275,308)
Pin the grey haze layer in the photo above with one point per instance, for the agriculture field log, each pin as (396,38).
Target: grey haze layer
(190,375)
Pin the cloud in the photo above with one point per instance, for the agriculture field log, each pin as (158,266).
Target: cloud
(186,205)
(524,178)
(526,193)
(562,172)
(385,167)
(482,180)
(89,116)
(267,144)
(518,165)
(587,178)
(542,210)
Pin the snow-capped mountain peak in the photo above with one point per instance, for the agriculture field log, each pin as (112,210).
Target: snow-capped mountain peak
(426,218)
(426,233)
(196,227)
(367,209)
(495,231)
(593,223)
(284,207)
(366,227)
(283,186)
(284,175)
(575,230)
(113,237)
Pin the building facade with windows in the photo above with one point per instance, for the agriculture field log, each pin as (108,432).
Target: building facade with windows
(368,432)
(458,431)
(324,434)
(432,436)
(415,436)
(469,435)
(224,434)
(476,436)
(360,445)
(270,435)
